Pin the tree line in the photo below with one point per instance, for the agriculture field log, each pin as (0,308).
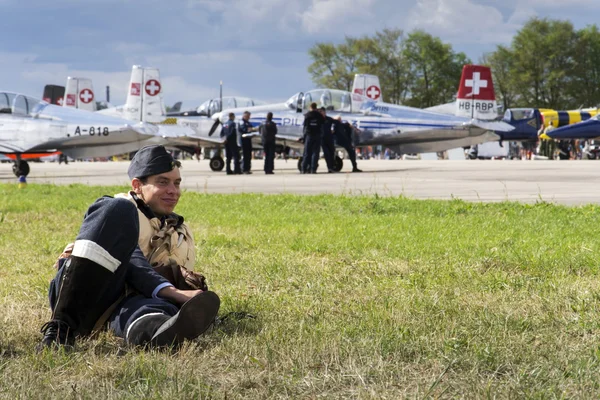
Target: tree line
(548,64)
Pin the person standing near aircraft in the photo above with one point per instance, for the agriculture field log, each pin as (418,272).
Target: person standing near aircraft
(343,137)
(313,122)
(111,273)
(268,131)
(327,143)
(232,151)
(244,128)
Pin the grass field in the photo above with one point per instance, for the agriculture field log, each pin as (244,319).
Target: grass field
(355,297)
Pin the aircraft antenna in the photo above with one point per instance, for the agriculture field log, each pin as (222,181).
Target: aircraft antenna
(221,95)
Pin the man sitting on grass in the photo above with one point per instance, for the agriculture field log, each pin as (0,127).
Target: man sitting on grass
(108,274)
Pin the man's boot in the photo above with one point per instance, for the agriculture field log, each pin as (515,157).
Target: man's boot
(355,168)
(192,320)
(78,304)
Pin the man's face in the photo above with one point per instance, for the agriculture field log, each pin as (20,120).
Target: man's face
(246,116)
(160,192)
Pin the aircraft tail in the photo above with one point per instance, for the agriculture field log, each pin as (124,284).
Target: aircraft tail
(176,107)
(79,93)
(144,99)
(367,85)
(476,96)
(54,94)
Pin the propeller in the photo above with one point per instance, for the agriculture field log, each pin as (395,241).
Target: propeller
(214,127)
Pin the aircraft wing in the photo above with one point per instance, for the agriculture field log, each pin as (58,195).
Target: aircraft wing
(282,139)
(289,138)
(186,136)
(443,145)
(407,134)
(8,148)
(124,139)
(589,129)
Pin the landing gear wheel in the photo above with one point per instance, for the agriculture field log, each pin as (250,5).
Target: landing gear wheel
(300,164)
(21,168)
(217,164)
(339,164)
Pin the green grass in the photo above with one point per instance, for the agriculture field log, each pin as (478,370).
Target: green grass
(356,297)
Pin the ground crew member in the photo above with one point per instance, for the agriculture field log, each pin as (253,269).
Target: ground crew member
(232,150)
(313,122)
(327,143)
(244,129)
(109,265)
(268,131)
(343,133)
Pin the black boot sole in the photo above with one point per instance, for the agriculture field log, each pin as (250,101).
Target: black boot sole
(192,320)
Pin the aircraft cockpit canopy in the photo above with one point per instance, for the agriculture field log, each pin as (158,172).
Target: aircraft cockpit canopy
(18,104)
(518,114)
(212,106)
(331,99)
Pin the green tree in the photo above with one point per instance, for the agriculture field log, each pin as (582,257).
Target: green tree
(383,55)
(586,70)
(435,69)
(501,63)
(542,63)
(335,66)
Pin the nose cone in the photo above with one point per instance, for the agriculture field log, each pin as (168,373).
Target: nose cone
(523,130)
(589,129)
(217,116)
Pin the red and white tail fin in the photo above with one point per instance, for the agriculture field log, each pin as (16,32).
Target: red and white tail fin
(79,93)
(54,94)
(476,97)
(144,97)
(367,85)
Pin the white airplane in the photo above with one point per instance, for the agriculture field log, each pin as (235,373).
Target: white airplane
(30,128)
(188,130)
(211,106)
(403,129)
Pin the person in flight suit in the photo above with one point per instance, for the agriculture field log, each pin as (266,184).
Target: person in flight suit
(343,137)
(268,131)
(107,271)
(244,128)
(313,125)
(232,150)
(327,143)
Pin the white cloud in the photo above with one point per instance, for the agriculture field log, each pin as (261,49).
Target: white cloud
(460,21)
(327,16)
(257,47)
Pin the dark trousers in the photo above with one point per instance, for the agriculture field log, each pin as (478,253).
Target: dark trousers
(310,160)
(349,149)
(113,225)
(247,154)
(232,151)
(328,147)
(269,149)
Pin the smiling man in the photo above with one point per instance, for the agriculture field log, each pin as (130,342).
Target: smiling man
(115,274)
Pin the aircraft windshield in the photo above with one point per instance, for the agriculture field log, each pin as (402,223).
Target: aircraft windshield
(212,106)
(517,114)
(13,103)
(331,99)
(293,102)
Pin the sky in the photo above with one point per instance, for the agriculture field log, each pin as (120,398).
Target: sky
(258,48)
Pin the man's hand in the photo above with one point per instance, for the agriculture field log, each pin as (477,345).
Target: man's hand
(176,295)
(65,254)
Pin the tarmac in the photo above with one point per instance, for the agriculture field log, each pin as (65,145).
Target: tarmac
(562,182)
